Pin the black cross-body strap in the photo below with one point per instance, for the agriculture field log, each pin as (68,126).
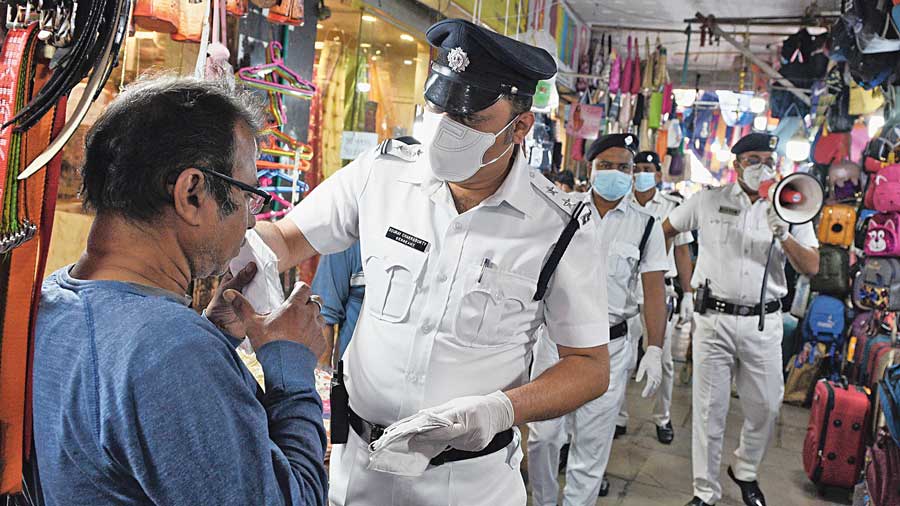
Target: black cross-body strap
(644,238)
(556,255)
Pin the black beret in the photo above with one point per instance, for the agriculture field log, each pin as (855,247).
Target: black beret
(648,157)
(627,141)
(475,66)
(755,142)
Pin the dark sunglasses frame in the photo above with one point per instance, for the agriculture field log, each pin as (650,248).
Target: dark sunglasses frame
(242,186)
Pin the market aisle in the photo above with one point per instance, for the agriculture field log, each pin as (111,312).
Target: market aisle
(643,472)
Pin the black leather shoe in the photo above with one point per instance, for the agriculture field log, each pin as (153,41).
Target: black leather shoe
(750,491)
(665,434)
(697,502)
(604,488)
(621,430)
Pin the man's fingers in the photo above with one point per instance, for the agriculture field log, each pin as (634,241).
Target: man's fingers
(242,307)
(242,279)
(640,374)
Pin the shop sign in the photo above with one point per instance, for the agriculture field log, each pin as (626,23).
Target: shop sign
(584,120)
(354,144)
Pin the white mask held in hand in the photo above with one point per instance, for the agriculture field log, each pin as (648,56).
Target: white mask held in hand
(755,174)
(456,151)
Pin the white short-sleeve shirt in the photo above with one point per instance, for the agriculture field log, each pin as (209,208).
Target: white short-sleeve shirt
(660,205)
(620,232)
(733,236)
(448,310)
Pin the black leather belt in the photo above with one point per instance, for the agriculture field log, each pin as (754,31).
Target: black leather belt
(668,281)
(370,432)
(739,310)
(617,331)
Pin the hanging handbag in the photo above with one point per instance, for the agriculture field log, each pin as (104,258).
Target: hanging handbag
(287,12)
(839,118)
(627,72)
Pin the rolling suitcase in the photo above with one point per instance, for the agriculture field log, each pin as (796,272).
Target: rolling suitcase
(834,448)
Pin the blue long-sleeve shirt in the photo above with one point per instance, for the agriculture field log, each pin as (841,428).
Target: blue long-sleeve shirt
(340,282)
(138,400)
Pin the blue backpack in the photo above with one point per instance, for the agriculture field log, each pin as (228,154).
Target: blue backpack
(889,395)
(825,321)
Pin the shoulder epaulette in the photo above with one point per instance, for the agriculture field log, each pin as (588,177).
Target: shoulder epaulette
(399,149)
(567,202)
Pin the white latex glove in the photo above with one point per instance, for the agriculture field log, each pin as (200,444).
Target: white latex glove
(651,365)
(779,227)
(475,421)
(687,308)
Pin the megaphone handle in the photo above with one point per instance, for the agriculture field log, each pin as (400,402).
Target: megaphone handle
(762,293)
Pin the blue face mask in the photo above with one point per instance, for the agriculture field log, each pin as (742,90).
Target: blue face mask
(611,185)
(644,181)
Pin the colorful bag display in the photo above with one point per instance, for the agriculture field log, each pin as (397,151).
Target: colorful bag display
(883,193)
(883,471)
(882,235)
(833,277)
(837,225)
(834,447)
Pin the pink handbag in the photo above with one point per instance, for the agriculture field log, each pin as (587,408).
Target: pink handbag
(636,80)
(882,236)
(627,72)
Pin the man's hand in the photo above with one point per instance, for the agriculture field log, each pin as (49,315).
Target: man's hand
(651,365)
(476,420)
(687,308)
(297,320)
(780,228)
(220,312)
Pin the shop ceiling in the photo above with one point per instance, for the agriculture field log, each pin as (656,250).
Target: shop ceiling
(715,62)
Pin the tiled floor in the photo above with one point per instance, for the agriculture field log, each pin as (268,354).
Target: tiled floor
(643,472)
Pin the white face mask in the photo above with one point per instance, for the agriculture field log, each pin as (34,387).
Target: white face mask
(755,174)
(456,151)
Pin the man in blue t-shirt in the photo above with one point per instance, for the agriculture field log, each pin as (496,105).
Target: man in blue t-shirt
(341,284)
(138,399)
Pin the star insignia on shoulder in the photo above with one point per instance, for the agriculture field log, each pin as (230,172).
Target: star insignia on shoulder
(567,202)
(552,190)
(458,60)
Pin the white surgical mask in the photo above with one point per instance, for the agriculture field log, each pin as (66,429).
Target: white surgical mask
(456,151)
(755,174)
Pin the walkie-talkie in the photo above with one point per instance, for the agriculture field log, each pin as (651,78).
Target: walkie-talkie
(702,299)
(340,400)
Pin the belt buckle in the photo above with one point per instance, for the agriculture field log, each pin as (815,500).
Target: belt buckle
(376,433)
(744,311)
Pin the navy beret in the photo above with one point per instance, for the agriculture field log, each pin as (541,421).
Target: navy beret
(475,67)
(755,142)
(648,157)
(627,141)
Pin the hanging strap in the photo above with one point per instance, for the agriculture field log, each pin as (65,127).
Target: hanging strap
(556,255)
(644,238)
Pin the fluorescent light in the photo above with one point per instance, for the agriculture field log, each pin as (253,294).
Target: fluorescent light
(365,45)
(761,123)
(407,37)
(368,18)
(374,58)
(797,149)
(363,87)
(757,105)
(319,45)
(407,62)
(319,26)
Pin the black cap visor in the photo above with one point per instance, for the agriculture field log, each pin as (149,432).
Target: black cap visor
(457,98)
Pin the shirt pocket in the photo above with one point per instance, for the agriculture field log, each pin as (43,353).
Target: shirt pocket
(623,260)
(495,308)
(391,280)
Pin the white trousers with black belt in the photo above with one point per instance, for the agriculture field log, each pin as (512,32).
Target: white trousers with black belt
(592,428)
(663,407)
(726,345)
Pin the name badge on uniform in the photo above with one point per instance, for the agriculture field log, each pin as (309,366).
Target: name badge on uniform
(729,211)
(406,239)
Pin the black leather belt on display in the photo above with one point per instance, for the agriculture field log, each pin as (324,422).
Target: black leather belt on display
(739,310)
(617,331)
(370,432)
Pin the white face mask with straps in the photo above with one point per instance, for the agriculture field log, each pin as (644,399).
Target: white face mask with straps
(456,152)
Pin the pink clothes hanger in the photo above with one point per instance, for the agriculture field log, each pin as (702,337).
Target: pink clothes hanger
(265,77)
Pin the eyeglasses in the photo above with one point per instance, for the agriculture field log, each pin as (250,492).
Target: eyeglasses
(621,167)
(258,198)
(755,160)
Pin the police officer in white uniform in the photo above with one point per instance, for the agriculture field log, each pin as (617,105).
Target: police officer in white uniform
(647,175)
(632,243)
(736,228)
(467,253)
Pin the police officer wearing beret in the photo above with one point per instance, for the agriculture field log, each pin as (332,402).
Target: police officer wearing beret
(457,242)
(631,242)
(647,176)
(735,229)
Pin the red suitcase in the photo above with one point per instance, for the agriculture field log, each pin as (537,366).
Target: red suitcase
(834,448)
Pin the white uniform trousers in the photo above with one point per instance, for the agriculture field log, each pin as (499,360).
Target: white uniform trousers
(726,345)
(663,406)
(592,427)
(490,480)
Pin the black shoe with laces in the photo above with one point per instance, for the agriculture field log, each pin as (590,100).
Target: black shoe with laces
(665,434)
(750,491)
(696,501)
(604,488)
(621,430)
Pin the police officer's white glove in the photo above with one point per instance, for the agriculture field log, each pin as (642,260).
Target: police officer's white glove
(651,365)
(687,308)
(476,420)
(780,228)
